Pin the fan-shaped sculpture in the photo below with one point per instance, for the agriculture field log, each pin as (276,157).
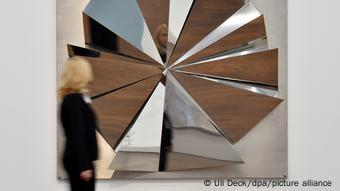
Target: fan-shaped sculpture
(178,87)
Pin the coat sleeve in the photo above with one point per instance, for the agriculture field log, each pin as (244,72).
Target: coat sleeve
(77,134)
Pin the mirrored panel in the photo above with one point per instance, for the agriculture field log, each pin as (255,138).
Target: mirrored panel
(204,17)
(256,88)
(141,145)
(105,157)
(236,39)
(253,46)
(156,15)
(100,38)
(216,108)
(259,67)
(118,110)
(178,13)
(135,161)
(244,15)
(113,71)
(234,111)
(125,19)
(187,131)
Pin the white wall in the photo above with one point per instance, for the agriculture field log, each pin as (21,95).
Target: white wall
(27,99)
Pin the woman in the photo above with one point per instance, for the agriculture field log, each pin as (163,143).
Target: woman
(161,36)
(79,123)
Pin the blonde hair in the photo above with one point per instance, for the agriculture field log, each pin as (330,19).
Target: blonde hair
(76,74)
(157,35)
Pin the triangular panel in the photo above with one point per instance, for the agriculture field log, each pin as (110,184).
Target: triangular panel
(189,132)
(135,161)
(249,32)
(178,13)
(181,161)
(203,18)
(117,111)
(259,67)
(105,157)
(125,19)
(243,16)
(251,87)
(156,14)
(113,71)
(234,111)
(99,37)
(145,134)
(144,137)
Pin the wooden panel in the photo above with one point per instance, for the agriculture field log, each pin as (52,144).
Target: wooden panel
(113,71)
(87,28)
(251,31)
(96,52)
(80,51)
(260,67)
(99,36)
(203,18)
(235,111)
(156,15)
(116,111)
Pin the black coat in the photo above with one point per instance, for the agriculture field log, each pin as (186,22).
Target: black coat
(79,123)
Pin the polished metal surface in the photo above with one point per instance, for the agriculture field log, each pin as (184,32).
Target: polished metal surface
(245,86)
(192,135)
(126,20)
(178,12)
(249,48)
(254,29)
(156,15)
(135,161)
(140,148)
(105,156)
(204,17)
(192,131)
(100,38)
(199,147)
(149,120)
(235,111)
(246,14)
(197,117)
(182,109)
(110,78)
(117,111)
(257,67)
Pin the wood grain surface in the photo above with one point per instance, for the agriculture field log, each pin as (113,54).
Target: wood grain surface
(155,13)
(234,111)
(251,31)
(113,71)
(203,18)
(117,111)
(260,68)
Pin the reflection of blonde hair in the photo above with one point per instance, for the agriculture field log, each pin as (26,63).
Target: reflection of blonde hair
(77,73)
(157,35)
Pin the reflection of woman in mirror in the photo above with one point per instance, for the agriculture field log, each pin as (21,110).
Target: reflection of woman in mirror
(166,142)
(79,123)
(161,36)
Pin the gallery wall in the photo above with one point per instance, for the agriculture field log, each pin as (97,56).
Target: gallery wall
(28,99)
